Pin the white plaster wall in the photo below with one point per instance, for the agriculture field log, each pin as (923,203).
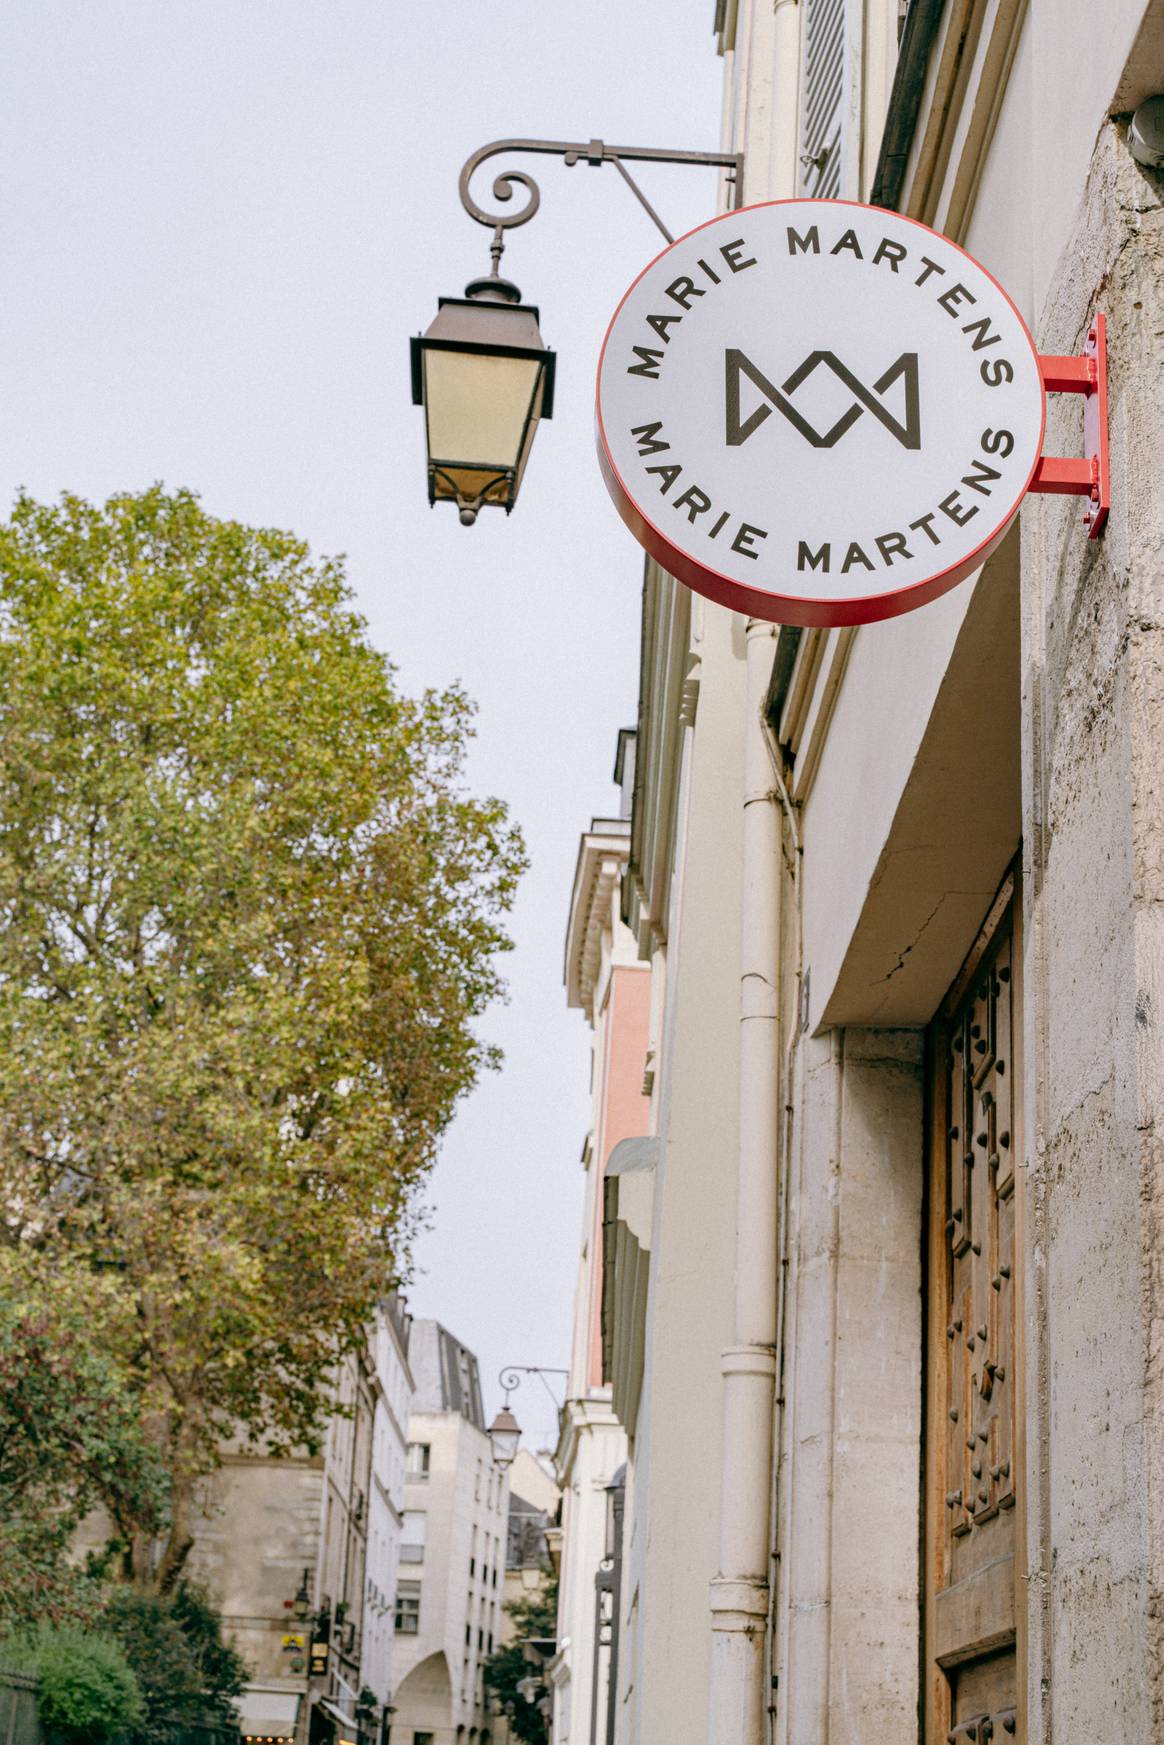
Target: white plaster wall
(1049,125)
(847,1602)
(1066,72)
(871,749)
(385,1508)
(599,1449)
(674,1527)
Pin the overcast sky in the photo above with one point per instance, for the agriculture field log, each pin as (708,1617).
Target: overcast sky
(221,220)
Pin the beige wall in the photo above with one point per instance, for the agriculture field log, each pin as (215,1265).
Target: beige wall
(258,1532)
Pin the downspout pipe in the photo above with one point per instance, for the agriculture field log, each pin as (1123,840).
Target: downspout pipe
(740,1597)
(913,59)
(740,1591)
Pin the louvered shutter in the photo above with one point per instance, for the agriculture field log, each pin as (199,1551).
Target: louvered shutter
(824,77)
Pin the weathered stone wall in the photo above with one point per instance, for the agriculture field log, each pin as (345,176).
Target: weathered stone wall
(1093,827)
(258,1530)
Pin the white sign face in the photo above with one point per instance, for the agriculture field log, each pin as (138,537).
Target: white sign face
(817,412)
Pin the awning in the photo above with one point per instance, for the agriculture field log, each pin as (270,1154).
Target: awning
(628,1209)
(268,1715)
(347,1730)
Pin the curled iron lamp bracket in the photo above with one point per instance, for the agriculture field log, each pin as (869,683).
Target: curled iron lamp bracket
(594,152)
(510,1378)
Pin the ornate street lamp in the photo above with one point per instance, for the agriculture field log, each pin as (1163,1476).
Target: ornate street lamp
(484,377)
(482,371)
(505,1435)
(505,1431)
(300,1606)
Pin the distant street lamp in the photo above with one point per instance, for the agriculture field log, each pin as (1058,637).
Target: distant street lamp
(505,1435)
(505,1431)
(482,371)
(301,1604)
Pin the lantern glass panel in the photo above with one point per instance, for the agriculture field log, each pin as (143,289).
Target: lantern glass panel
(505,1435)
(479,407)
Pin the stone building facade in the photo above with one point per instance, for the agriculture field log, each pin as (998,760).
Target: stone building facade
(300,1553)
(899,889)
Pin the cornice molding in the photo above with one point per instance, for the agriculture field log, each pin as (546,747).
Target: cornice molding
(668,700)
(602,854)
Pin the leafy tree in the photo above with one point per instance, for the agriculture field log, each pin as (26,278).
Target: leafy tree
(248,914)
(87,1692)
(69,1437)
(535,1619)
(222,1669)
(186,1672)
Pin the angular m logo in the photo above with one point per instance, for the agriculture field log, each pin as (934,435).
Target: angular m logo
(907,431)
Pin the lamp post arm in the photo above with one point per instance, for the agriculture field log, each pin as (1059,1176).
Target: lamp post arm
(510,1378)
(595,152)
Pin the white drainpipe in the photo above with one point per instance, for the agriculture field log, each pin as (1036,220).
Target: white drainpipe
(766,123)
(739,1593)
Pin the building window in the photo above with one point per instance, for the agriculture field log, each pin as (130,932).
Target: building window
(416,1465)
(422,1739)
(822,117)
(408,1608)
(412,1542)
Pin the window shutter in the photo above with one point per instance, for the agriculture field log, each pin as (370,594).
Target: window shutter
(824,77)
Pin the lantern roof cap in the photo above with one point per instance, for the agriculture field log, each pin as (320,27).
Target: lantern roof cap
(492,289)
(479,324)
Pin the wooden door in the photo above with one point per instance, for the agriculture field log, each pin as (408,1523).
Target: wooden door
(973,1393)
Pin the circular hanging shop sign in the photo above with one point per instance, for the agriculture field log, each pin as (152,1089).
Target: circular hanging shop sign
(817,412)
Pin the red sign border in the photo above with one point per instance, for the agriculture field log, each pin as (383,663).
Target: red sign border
(790,609)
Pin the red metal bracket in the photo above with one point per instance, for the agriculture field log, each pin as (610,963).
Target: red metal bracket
(1090,477)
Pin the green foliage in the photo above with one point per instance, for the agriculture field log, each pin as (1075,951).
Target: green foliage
(87,1692)
(248,915)
(186,1672)
(69,1437)
(535,1618)
(222,1668)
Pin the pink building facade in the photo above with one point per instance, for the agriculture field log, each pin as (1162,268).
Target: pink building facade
(610,985)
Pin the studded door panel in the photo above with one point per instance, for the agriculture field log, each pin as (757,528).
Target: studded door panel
(980,1232)
(971,1617)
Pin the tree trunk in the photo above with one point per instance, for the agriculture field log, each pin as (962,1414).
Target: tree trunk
(180,1541)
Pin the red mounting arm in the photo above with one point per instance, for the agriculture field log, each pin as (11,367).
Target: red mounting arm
(1091,477)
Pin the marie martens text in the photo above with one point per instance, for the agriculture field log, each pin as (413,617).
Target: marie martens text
(744,537)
